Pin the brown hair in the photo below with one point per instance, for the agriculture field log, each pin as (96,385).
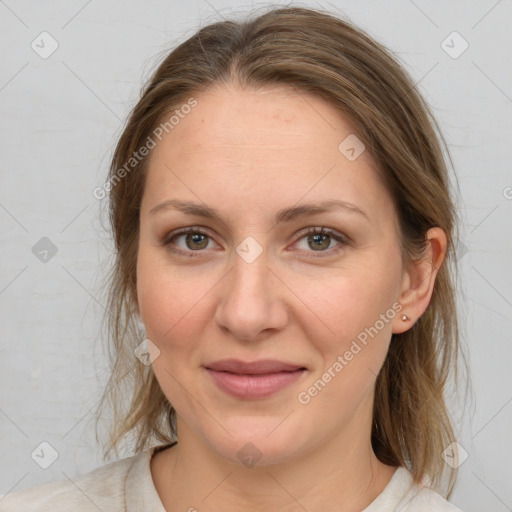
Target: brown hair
(315,52)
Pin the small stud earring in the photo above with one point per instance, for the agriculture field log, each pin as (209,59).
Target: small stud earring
(404,318)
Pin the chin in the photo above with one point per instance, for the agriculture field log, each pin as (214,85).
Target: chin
(258,441)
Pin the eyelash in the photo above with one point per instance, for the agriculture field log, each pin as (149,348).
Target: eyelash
(339,237)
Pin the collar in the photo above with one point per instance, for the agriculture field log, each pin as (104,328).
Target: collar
(140,491)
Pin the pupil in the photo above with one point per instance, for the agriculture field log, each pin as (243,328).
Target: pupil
(319,239)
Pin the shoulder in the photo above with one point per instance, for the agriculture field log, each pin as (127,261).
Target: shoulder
(420,498)
(427,500)
(100,489)
(402,494)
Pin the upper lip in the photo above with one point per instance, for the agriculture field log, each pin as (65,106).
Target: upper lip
(253,368)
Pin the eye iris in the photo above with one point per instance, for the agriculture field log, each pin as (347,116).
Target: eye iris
(197,238)
(319,239)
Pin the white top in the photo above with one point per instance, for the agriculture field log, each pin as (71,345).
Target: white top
(127,485)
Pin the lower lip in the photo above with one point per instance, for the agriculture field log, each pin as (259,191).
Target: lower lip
(254,386)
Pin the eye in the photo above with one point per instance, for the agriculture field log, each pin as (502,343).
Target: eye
(316,240)
(194,240)
(319,240)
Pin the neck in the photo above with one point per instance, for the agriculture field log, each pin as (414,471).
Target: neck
(190,476)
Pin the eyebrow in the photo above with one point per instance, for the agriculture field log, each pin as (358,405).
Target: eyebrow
(284,215)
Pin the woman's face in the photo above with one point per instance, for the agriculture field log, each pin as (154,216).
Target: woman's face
(249,284)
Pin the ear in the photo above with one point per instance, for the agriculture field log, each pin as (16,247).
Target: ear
(418,280)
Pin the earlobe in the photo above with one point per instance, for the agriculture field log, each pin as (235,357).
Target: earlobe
(418,281)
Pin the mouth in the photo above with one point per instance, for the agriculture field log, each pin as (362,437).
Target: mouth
(253,380)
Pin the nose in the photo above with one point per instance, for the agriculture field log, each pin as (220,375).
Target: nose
(251,305)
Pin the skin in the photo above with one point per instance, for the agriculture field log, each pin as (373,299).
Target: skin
(249,153)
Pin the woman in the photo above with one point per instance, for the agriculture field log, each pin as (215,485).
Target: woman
(284,232)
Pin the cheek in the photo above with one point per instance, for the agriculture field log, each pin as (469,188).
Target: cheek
(172,305)
(173,310)
(358,307)
(348,305)
(360,312)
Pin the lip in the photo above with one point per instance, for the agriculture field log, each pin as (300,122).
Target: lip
(253,380)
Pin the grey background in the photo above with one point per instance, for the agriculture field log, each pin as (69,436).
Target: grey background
(60,120)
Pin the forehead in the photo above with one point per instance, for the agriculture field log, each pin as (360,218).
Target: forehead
(270,144)
(230,116)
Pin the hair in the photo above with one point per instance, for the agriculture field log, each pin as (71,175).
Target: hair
(313,52)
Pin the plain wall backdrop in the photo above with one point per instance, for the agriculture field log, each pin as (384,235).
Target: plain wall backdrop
(70,73)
